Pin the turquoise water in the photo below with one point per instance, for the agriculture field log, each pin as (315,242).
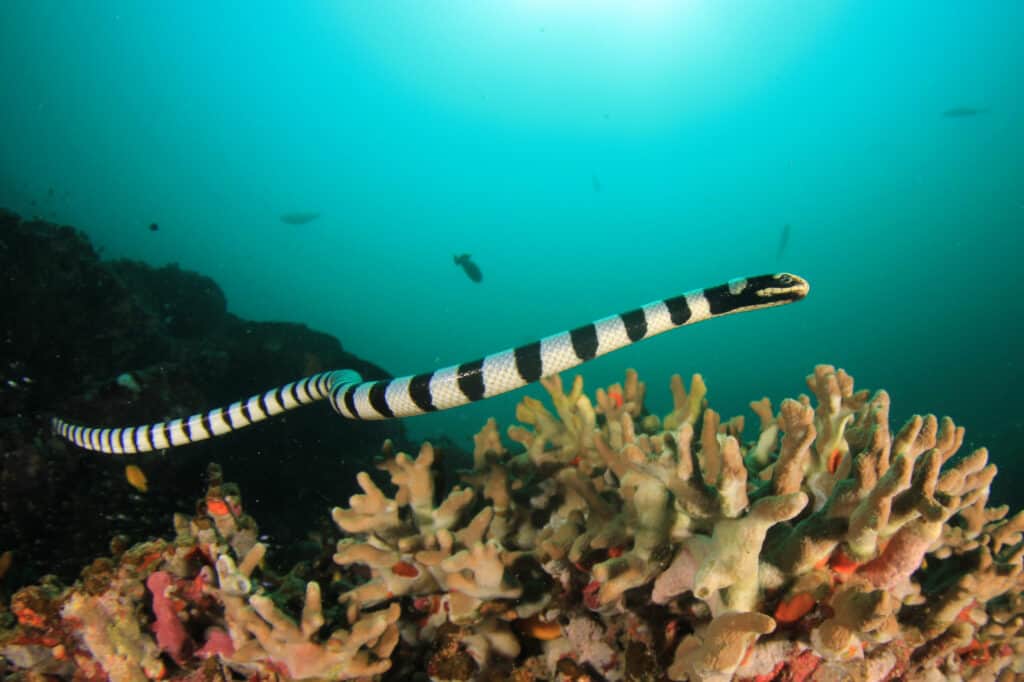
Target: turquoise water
(591,156)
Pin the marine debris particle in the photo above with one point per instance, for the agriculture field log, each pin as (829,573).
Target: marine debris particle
(153,227)
(136,478)
(962,112)
(128,381)
(299,217)
(783,241)
(471,269)
(593,532)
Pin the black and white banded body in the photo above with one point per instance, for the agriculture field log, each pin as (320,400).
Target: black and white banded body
(453,386)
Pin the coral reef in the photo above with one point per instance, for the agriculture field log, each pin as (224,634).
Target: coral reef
(599,542)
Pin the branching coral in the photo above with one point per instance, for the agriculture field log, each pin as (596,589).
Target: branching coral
(605,542)
(198,586)
(825,522)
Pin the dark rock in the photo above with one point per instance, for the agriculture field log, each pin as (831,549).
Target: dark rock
(71,325)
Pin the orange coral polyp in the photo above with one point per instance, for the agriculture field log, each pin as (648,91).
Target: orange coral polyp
(30,618)
(216,506)
(965,613)
(796,607)
(540,629)
(975,653)
(405,569)
(834,458)
(841,562)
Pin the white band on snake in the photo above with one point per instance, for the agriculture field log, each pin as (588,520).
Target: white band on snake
(453,386)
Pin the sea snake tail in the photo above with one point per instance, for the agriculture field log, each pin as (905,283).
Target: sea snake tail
(453,386)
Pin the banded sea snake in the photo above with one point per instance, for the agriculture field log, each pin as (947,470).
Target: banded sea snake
(453,386)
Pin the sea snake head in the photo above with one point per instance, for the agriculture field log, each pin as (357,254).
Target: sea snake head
(761,291)
(783,287)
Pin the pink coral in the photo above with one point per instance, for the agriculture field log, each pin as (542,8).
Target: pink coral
(218,642)
(170,631)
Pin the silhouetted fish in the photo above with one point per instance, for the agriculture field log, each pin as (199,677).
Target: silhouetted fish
(299,218)
(471,269)
(783,241)
(962,112)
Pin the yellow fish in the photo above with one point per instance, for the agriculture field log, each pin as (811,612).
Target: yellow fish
(136,478)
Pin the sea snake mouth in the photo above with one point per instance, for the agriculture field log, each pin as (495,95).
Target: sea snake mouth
(456,385)
(789,287)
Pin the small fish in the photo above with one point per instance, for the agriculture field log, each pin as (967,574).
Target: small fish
(595,182)
(783,241)
(299,217)
(471,268)
(405,569)
(136,478)
(153,227)
(962,112)
(17,382)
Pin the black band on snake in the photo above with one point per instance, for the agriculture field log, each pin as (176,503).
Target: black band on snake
(453,386)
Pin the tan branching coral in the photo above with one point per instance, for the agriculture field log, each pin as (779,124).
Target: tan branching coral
(718,652)
(608,541)
(733,558)
(858,612)
(127,620)
(826,510)
(108,627)
(262,636)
